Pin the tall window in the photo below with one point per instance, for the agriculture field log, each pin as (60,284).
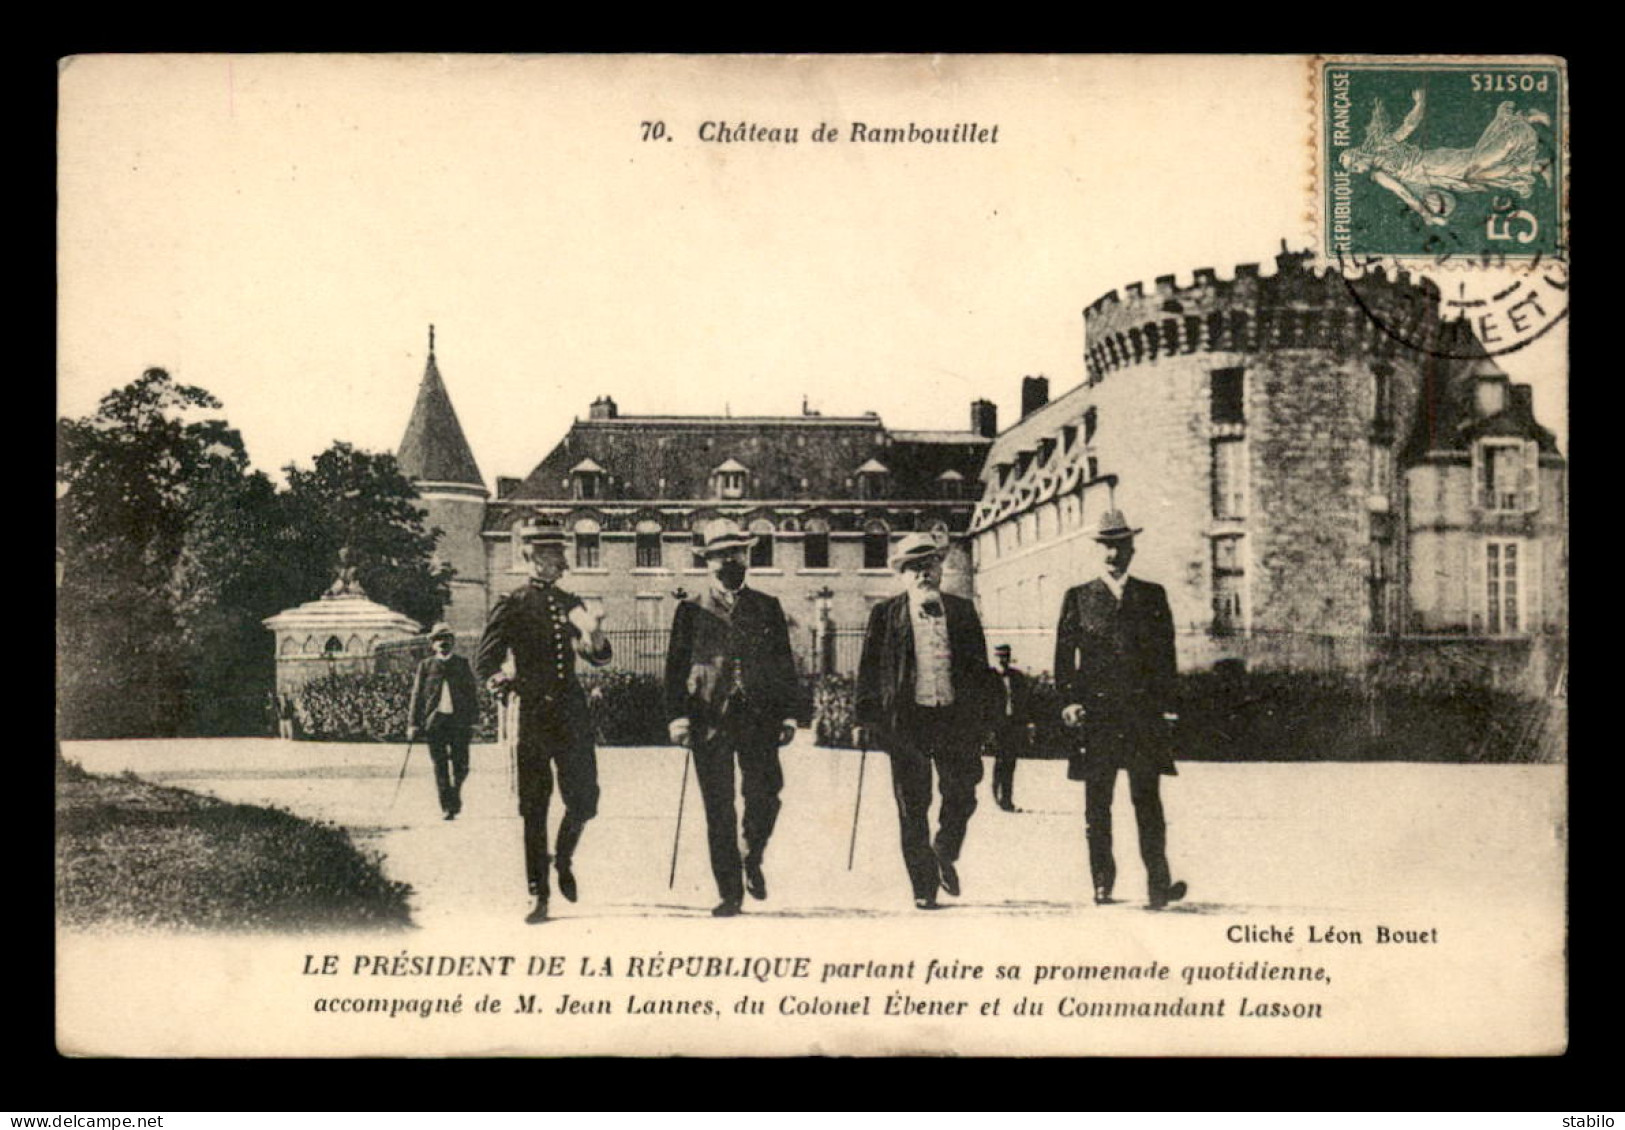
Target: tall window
(815,544)
(586,532)
(876,545)
(1225,394)
(1505,474)
(761,553)
(1382,385)
(1229,478)
(695,559)
(647,543)
(1228,578)
(1503,581)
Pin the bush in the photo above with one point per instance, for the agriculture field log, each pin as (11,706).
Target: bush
(1232,714)
(626,708)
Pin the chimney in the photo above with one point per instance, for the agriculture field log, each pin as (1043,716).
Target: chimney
(1034,394)
(984,418)
(602,409)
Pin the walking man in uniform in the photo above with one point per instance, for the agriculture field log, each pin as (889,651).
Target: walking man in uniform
(544,628)
(1114,669)
(731,693)
(924,694)
(443,709)
(1012,729)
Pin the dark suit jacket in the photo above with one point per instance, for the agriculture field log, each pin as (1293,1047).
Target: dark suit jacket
(740,658)
(1021,697)
(886,671)
(431,675)
(1117,662)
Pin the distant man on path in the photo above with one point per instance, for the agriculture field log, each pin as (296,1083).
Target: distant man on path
(925,694)
(1012,728)
(443,709)
(544,628)
(731,694)
(1114,669)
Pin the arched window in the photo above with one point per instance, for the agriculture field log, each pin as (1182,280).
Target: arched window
(761,553)
(647,540)
(815,544)
(586,537)
(333,647)
(876,544)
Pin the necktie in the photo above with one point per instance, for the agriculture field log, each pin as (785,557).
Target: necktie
(931,608)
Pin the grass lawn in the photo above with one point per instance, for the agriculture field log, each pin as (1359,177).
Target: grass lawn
(129,853)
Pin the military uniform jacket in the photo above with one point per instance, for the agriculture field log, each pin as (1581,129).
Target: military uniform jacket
(722,660)
(533,625)
(886,672)
(1116,660)
(433,674)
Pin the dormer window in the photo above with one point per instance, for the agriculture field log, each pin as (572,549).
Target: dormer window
(1490,396)
(729,479)
(873,477)
(951,484)
(587,480)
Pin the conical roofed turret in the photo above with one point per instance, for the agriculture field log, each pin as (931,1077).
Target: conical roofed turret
(434,449)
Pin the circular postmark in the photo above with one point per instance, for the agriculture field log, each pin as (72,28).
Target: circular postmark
(1509,302)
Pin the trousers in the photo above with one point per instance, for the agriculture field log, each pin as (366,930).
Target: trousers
(927,737)
(1011,739)
(448,750)
(555,743)
(1145,791)
(754,744)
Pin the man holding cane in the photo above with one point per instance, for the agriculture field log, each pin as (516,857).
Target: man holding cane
(544,628)
(731,692)
(443,709)
(924,692)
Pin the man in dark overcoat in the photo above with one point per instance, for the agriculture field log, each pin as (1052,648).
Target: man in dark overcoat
(924,695)
(544,627)
(443,709)
(731,696)
(1012,728)
(1114,671)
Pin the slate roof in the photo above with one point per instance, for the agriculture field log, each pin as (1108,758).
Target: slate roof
(795,457)
(1448,420)
(434,449)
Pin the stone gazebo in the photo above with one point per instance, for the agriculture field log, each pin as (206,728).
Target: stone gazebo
(338,632)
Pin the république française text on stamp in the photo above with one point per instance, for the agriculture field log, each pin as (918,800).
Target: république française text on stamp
(1452,168)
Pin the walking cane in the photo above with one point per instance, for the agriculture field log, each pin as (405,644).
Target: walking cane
(863,760)
(688,756)
(402,776)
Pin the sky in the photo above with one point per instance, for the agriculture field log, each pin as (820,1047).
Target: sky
(282,230)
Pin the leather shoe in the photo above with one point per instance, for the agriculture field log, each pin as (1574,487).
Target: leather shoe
(539,914)
(950,877)
(1173,893)
(1103,896)
(567,879)
(450,816)
(927,904)
(755,881)
(727,908)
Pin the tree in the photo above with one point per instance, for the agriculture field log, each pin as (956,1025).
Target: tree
(360,500)
(173,551)
(128,487)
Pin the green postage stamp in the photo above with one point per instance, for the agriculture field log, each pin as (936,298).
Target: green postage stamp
(1443,159)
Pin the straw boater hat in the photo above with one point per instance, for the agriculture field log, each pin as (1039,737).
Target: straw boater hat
(1115,527)
(915,547)
(441,629)
(723,534)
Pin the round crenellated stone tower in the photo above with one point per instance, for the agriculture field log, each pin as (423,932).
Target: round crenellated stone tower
(1252,425)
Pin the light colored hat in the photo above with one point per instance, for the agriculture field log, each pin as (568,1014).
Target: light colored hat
(915,547)
(441,629)
(723,534)
(1114,527)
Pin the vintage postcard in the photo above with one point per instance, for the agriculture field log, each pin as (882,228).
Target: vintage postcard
(781,556)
